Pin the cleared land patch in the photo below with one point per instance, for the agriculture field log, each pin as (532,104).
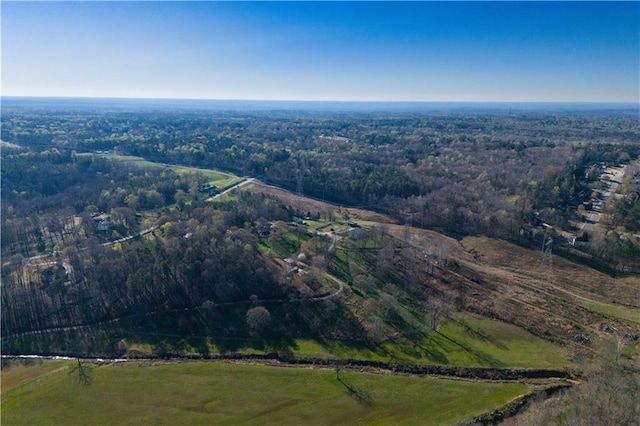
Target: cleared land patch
(214,177)
(566,290)
(573,277)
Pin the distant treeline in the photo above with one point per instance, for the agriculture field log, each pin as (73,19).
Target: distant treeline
(471,173)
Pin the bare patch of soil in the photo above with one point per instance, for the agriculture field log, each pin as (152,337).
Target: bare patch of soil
(312,205)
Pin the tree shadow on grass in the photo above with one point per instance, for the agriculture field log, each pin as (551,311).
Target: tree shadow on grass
(228,330)
(414,347)
(431,353)
(478,334)
(480,356)
(416,337)
(361,396)
(264,343)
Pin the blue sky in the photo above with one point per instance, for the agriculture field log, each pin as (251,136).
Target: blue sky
(361,51)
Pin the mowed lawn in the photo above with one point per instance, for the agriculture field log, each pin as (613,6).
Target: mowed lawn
(224,393)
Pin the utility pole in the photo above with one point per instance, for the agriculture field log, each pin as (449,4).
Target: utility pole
(546,262)
(299,192)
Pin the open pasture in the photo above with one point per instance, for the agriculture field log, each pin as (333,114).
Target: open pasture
(214,177)
(222,393)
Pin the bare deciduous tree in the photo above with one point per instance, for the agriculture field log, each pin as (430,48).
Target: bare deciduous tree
(258,318)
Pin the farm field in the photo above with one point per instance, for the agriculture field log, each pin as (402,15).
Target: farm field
(221,393)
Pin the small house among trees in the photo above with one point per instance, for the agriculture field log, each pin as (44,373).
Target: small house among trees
(263,226)
(209,189)
(103,222)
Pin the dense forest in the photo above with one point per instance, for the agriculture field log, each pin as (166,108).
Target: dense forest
(461,173)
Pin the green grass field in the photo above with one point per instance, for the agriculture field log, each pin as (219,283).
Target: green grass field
(286,241)
(486,342)
(20,373)
(222,393)
(214,177)
(472,342)
(478,343)
(629,314)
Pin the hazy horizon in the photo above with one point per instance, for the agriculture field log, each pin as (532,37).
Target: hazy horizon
(245,105)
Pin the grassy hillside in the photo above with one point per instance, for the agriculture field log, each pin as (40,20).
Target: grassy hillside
(214,177)
(469,341)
